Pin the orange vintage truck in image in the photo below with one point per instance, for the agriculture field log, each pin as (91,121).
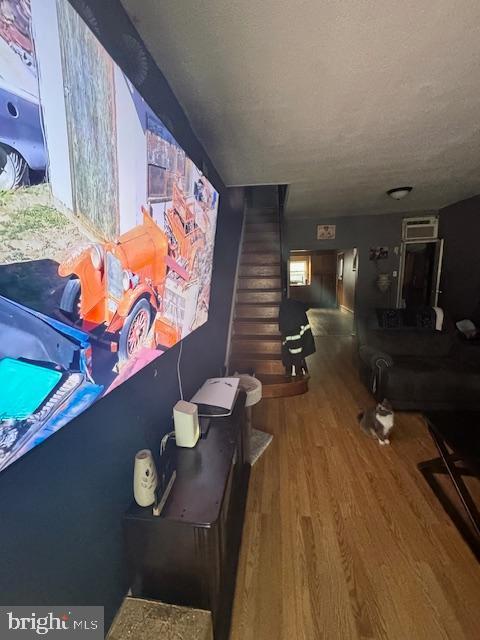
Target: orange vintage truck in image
(118,288)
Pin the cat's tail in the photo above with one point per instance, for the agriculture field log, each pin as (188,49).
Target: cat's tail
(360,415)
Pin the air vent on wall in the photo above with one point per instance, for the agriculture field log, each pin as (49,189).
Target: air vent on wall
(420,228)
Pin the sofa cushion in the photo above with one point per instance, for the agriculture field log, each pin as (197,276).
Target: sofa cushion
(413,317)
(415,342)
(420,317)
(390,318)
(438,380)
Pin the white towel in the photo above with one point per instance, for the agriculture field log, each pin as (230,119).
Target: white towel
(440,316)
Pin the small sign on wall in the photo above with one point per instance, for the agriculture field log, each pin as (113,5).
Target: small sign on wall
(326,231)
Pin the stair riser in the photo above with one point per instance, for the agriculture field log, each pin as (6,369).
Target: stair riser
(261,247)
(256,329)
(243,346)
(256,311)
(259,366)
(267,297)
(265,236)
(272,258)
(262,219)
(261,227)
(257,271)
(259,283)
(285,390)
(262,211)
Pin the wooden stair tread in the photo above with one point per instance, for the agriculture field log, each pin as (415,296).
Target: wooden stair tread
(244,320)
(259,295)
(260,271)
(278,386)
(261,254)
(256,311)
(255,337)
(276,378)
(274,290)
(265,345)
(256,236)
(243,279)
(247,327)
(259,306)
(248,355)
(273,378)
(256,340)
(260,259)
(260,283)
(272,256)
(273,225)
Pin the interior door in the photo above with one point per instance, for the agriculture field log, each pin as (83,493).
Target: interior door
(437,272)
(420,272)
(340,267)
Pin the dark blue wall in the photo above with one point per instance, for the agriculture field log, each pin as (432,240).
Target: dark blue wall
(460,281)
(61,505)
(361,232)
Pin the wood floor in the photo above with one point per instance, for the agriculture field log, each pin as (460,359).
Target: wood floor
(343,538)
(331,322)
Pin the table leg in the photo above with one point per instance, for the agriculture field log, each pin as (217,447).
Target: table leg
(249,417)
(429,470)
(446,464)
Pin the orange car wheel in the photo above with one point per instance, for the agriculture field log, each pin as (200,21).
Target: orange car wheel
(135,330)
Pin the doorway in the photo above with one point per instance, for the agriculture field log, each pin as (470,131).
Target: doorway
(420,270)
(325,280)
(312,278)
(347,261)
(340,270)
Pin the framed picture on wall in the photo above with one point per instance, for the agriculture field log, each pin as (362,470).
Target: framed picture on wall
(378,253)
(326,231)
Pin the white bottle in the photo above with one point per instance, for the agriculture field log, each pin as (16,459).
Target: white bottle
(144,478)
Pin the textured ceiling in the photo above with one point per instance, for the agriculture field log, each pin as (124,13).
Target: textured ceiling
(341,100)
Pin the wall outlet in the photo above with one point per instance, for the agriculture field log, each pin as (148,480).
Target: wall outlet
(395,274)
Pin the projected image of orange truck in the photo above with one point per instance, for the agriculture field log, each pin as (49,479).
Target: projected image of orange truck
(117,289)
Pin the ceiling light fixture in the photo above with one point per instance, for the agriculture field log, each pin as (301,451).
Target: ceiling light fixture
(399,192)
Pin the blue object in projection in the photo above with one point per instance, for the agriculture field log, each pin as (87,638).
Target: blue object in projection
(24,387)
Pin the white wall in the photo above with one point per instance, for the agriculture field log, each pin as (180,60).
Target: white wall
(47,49)
(131,155)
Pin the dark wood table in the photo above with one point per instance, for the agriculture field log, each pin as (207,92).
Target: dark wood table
(456,435)
(188,555)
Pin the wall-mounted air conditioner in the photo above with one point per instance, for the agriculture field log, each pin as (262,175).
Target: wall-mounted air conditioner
(420,228)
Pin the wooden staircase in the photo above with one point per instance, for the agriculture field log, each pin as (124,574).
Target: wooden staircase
(256,343)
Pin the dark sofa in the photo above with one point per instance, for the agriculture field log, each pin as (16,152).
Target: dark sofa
(403,358)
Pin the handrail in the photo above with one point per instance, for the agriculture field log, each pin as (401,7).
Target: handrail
(281,195)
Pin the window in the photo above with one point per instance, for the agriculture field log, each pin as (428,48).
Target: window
(166,163)
(300,271)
